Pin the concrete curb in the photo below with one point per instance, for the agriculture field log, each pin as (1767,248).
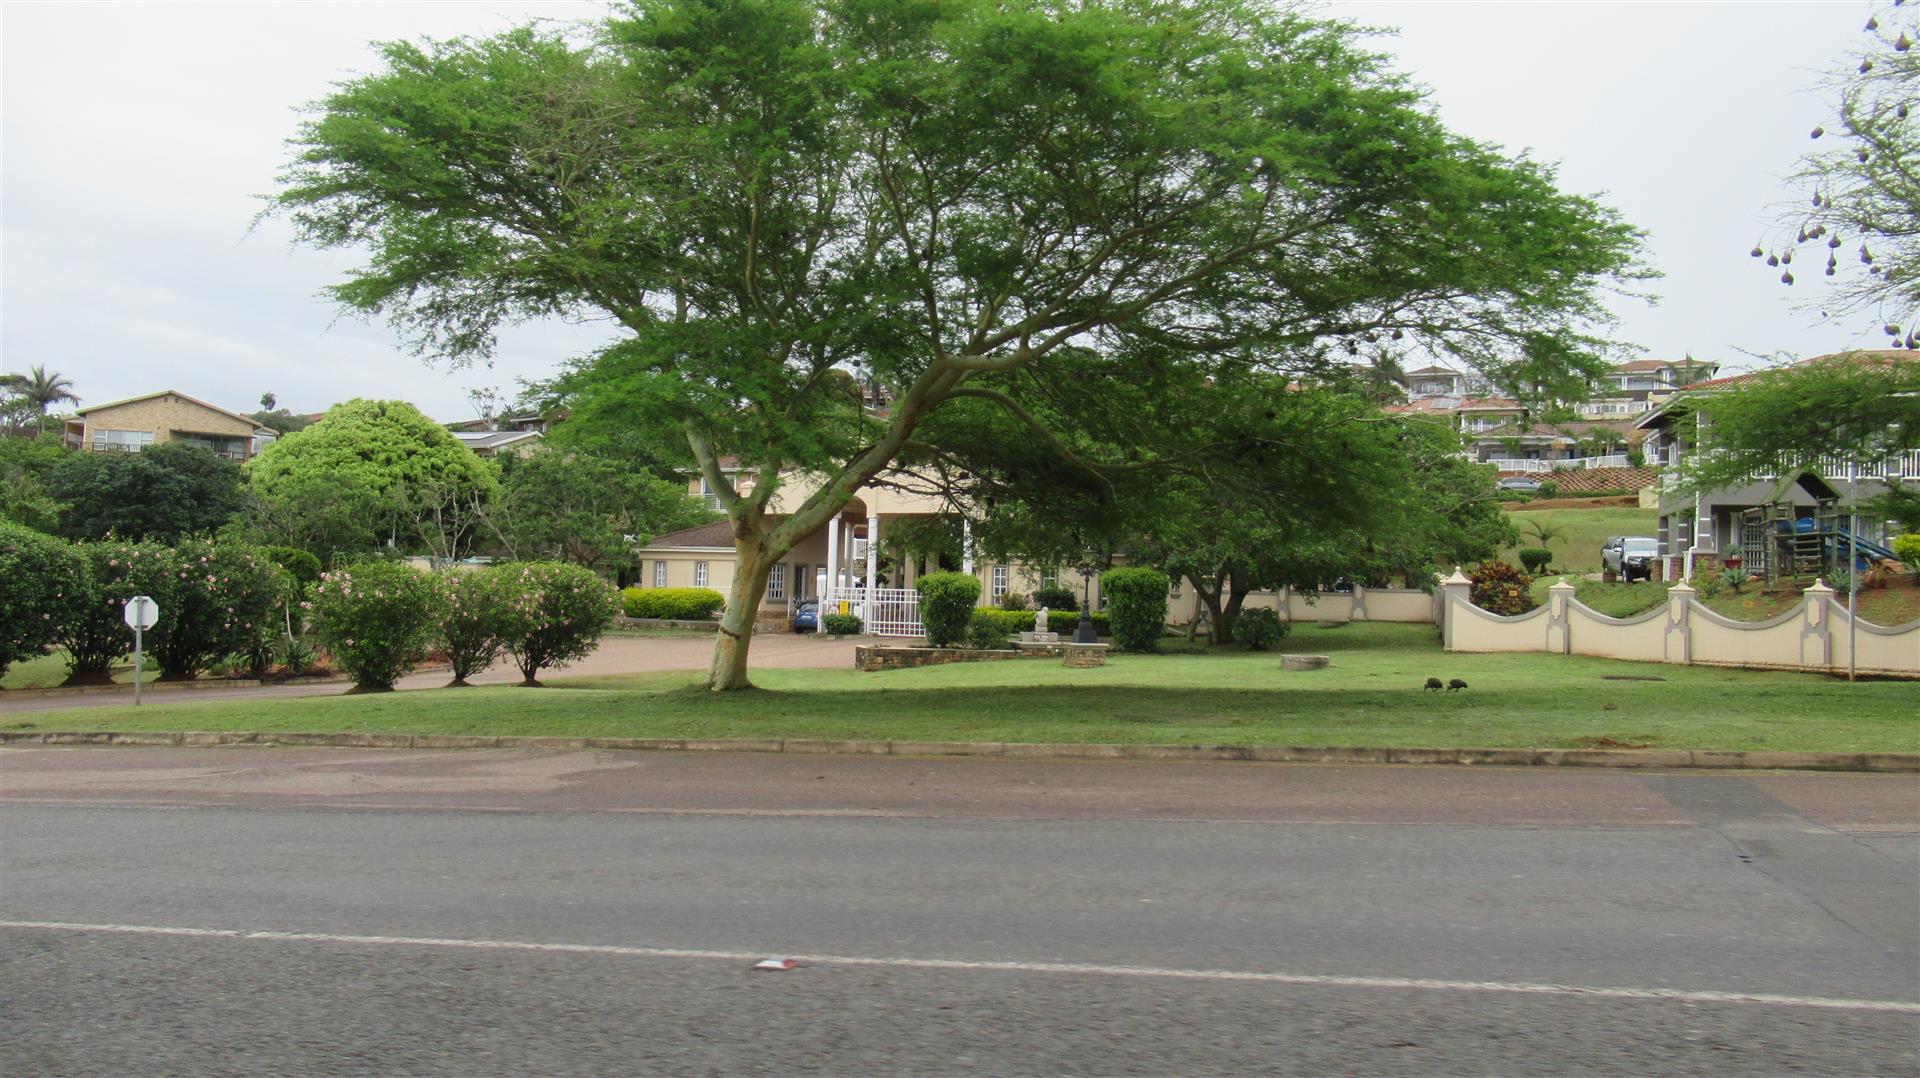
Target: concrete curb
(207,685)
(1884,762)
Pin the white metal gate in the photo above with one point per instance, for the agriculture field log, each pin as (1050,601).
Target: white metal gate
(882,611)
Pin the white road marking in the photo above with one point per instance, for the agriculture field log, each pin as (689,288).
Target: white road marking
(1676,995)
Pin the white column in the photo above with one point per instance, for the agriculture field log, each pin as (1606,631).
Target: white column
(873,549)
(833,556)
(966,546)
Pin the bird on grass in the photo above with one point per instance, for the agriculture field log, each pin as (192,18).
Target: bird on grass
(1456,683)
(1433,684)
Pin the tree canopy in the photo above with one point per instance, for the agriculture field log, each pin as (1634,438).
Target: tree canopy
(585,510)
(165,493)
(770,196)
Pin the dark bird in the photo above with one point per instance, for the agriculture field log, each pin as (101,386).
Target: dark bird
(1456,683)
(1433,684)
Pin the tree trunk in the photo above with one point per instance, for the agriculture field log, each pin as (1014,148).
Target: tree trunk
(750,567)
(1212,601)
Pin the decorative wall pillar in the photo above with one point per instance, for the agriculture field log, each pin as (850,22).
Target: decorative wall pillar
(1559,628)
(1816,625)
(873,549)
(1454,591)
(833,554)
(1679,640)
(1358,608)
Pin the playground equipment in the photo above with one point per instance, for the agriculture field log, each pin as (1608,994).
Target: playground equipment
(1779,539)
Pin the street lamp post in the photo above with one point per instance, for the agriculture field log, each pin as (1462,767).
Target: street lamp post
(1089,564)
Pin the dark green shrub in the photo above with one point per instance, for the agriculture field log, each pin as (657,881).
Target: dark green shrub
(302,566)
(841,625)
(947,602)
(1549,488)
(1735,579)
(1056,598)
(1013,600)
(40,580)
(675,604)
(1536,559)
(985,631)
(473,616)
(552,613)
(1499,588)
(1260,629)
(1137,605)
(217,598)
(377,619)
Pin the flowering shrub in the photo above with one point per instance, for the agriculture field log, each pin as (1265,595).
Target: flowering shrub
(376,618)
(471,620)
(40,576)
(1499,588)
(94,630)
(551,613)
(1137,603)
(217,596)
(680,604)
(946,605)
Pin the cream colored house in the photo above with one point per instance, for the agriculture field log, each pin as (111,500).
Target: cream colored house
(129,426)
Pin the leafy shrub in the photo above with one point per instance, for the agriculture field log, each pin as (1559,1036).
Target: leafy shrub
(1548,488)
(40,579)
(985,632)
(552,613)
(1636,458)
(1499,588)
(217,596)
(1137,605)
(1013,600)
(1536,559)
(94,630)
(471,620)
(841,625)
(1260,629)
(677,604)
(1009,622)
(376,618)
(1709,586)
(1907,549)
(295,654)
(302,566)
(1841,581)
(946,605)
(1056,598)
(1735,579)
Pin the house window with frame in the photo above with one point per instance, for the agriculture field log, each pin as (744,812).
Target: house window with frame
(121,441)
(699,574)
(777,582)
(999,583)
(659,574)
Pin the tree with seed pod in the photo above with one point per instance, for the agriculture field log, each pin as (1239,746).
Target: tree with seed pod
(1864,188)
(766,196)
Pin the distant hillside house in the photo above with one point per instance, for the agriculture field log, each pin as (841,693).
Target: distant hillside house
(129,426)
(492,443)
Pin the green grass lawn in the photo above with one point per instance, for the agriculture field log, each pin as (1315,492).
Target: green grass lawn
(1578,551)
(1371,696)
(48,671)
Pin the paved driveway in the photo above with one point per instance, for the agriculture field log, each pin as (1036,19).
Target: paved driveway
(616,655)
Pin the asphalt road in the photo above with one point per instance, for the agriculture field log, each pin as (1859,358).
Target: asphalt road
(552,913)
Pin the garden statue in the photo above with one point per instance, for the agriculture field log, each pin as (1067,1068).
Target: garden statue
(1040,621)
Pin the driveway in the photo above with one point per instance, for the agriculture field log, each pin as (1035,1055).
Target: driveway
(616,655)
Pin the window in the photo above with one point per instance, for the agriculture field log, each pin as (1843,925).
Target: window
(121,441)
(659,574)
(777,582)
(699,574)
(999,582)
(801,586)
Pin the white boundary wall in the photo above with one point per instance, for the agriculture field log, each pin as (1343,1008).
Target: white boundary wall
(1361,604)
(1812,637)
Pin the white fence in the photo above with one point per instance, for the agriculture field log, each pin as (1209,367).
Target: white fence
(882,611)
(1513,464)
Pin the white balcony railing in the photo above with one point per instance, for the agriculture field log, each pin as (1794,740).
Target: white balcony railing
(1512,464)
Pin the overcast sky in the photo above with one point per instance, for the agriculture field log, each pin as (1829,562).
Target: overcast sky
(137,137)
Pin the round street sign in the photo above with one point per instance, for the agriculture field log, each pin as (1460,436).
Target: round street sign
(141,612)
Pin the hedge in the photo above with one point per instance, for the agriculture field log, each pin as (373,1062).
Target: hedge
(1022,621)
(674,604)
(1137,604)
(946,605)
(219,600)
(841,625)
(40,578)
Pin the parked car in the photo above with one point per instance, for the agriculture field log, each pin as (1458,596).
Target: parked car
(806,616)
(1518,482)
(1631,556)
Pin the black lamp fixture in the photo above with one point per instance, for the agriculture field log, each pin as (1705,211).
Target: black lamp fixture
(1090,561)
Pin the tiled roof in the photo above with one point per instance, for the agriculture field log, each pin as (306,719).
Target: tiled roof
(1477,404)
(1435,370)
(1865,355)
(718,533)
(1425,406)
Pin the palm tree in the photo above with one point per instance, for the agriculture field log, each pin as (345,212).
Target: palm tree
(43,389)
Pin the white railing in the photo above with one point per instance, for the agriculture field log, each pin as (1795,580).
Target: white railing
(882,611)
(1611,460)
(1508,464)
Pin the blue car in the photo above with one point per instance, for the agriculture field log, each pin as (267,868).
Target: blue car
(806,616)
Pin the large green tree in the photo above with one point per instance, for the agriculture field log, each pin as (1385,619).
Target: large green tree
(371,473)
(165,493)
(768,194)
(585,510)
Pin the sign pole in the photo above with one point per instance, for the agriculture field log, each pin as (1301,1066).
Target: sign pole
(140,613)
(136,665)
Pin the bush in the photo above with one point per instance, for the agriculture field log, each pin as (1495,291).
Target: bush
(216,599)
(1056,598)
(41,578)
(676,604)
(1636,458)
(553,613)
(1536,559)
(985,632)
(1907,549)
(94,631)
(841,625)
(376,618)
(302,566)
(1548,488)
(1260,629)
(1499,588)
(1735,579)
(946,605)
(1137,605)
(1013,600)
(472,616)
